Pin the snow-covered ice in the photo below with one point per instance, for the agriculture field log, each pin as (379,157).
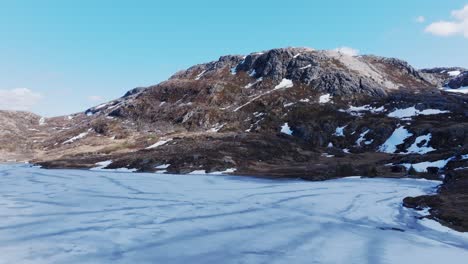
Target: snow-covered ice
(76,216)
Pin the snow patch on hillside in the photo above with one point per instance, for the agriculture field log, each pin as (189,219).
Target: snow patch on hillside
(326,98)
(463,90)
(285,129)
(412,111)
(284,84)
(398,137)
(339,131)
(454,73)
(422,166)
(421,145)
(160,143)
(78,137)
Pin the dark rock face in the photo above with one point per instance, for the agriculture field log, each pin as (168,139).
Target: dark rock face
(443,76)
(459,81)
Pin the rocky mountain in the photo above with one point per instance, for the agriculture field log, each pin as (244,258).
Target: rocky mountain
(293,112)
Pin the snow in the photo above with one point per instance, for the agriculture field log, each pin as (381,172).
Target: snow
(78,137)
(203,172)
(422,166)
(200,75)
(234,70)
(163,166)
(425,148)
(326,98)
(288,104)
(285,129)
(216,128)
(339,131)
(250,85)
(454,73)
(356,110)
(101,166)
(284,84)
(76,216)
(398,137)
(306,100)
(42,121)
(412,111)
(306,67)
(297,55)
(159,143)
(463,90)
(100,106)
(362,138)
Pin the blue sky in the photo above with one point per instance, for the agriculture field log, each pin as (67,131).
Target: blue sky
(70,55)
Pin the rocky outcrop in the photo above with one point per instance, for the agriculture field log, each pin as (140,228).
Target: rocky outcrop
(458,82)
(313,92)
(450,204)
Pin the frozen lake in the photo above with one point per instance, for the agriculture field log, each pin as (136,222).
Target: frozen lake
(72,216)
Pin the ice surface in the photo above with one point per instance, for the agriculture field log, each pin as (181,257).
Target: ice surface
(76,216)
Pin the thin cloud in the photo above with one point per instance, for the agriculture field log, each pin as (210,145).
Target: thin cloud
(420,19)
(457,26)
(19,99)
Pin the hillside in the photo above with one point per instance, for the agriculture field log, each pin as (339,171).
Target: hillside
(293,112)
